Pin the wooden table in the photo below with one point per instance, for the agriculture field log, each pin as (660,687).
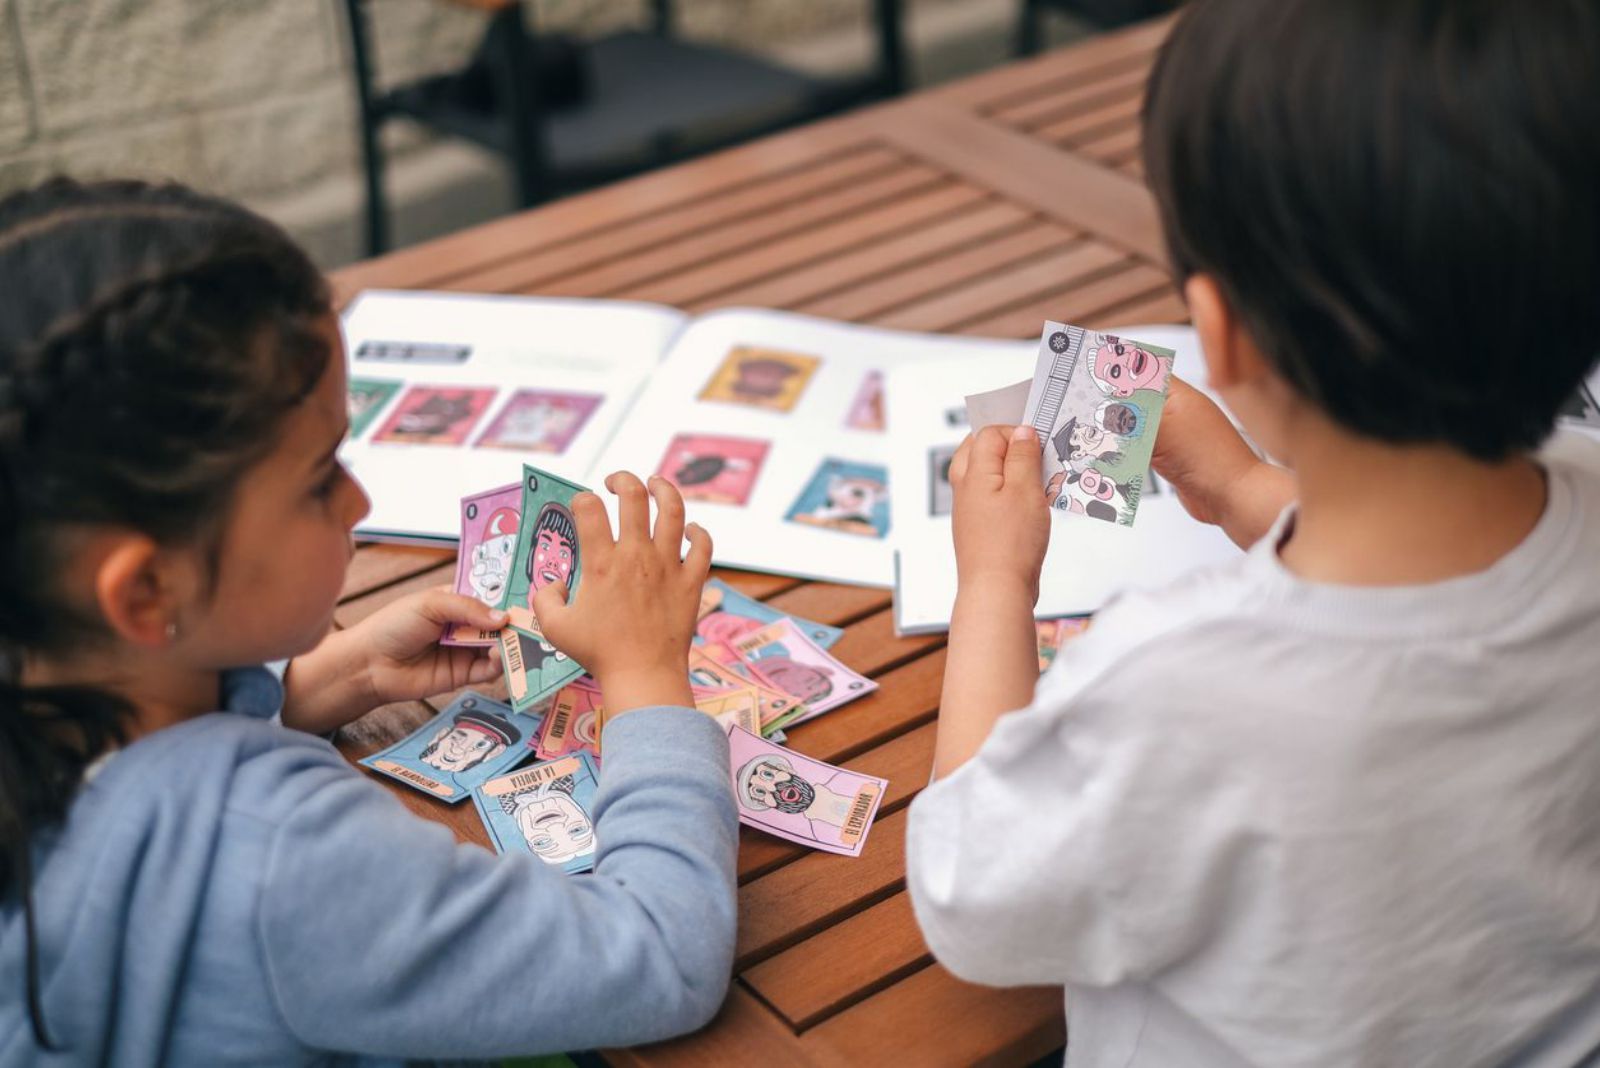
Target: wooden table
(982,208)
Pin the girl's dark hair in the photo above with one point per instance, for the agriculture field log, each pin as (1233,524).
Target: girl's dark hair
(152,341)
(1398,197)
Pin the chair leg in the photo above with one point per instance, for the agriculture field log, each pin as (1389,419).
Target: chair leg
(371,117)
(891,47)
(524,114)
(1030,28)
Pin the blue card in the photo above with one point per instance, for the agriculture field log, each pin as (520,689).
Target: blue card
(727,615)
(474,739)
(544,809)
(846,496)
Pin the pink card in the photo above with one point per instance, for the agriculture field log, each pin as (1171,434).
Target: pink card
(706,467)
(489,522)
(435,415)
(799,799)
(784,656)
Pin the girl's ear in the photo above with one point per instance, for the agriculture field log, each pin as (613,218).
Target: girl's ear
(135,590)
(1231,355)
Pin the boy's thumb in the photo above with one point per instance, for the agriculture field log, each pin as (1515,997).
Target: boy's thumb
(1023,455)
(550,603)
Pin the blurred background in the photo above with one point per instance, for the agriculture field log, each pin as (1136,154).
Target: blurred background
(257,99)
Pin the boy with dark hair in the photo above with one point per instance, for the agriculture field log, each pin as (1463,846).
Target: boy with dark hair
(1335,803)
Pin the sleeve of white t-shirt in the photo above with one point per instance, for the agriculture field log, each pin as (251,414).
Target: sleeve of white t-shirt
(1083,843)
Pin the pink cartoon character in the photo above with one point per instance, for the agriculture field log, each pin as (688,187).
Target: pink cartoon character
(491,558)
(1098,491)
(555,548)
(1119,367)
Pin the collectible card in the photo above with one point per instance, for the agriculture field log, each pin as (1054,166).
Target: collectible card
(845,496)
(470,742)
(866,411)
(573,722)
(489,522)
(547,553)
(761,378)
(366,398)
(435,415)
(544,809)
(799,799)
(1096,403)
(539,420)
(710,467)
(789,660)
(726,614)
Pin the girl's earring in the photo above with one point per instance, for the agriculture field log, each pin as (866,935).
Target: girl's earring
(172,631)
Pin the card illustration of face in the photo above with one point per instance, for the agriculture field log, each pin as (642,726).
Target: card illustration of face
(761,378)
(537,420)
(366,397)
(940,495)
(489,524)
(794,664)
(435,415)
(799,799)
(474,739)
(573,722)
(1096,403)
(845,496)
(544,810)
(726,615)
(866,411)
(719,470)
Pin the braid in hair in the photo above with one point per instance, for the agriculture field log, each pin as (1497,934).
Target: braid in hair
(152,341)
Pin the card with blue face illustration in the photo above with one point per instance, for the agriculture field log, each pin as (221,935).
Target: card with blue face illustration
(545,810)
(727,615)
(474,739)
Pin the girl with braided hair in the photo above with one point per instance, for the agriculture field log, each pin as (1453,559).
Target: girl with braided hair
(189,872)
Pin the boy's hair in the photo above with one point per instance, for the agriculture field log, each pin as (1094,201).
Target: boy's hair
(152,341)
(1399,198)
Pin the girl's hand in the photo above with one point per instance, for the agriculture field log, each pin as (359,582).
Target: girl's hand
(999,515)
(634,614)
(1217,477)
(404,660)
(393,655)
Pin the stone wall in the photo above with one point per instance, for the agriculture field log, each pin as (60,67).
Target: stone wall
(253,98)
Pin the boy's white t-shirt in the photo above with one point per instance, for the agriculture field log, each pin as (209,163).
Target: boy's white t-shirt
(1251,820)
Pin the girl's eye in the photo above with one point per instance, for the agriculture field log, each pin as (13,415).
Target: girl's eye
(329,483)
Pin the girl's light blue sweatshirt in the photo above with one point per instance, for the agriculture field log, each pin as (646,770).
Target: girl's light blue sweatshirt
(229,891)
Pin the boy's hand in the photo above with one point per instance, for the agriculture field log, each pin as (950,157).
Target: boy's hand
(1217,477)
(1000,517)
(404,660)
(634,614)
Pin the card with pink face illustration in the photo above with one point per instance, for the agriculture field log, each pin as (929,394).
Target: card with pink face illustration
(539,420)
(799,799)
(786,658)
(707,467)
(866,411)
(435,415)
(489,523)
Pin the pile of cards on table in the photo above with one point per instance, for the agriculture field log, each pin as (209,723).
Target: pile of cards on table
(754,669)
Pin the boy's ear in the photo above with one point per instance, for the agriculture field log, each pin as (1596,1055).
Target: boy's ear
(1231,355)
(134,594)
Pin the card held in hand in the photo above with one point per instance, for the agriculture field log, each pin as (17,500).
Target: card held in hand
(799,799)
(547,552)
(1096,403)
(489,522)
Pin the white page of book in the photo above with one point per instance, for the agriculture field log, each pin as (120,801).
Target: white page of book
(578,363)
(1088,560)
(788,426)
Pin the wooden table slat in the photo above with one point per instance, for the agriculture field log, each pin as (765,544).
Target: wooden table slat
(374,567)
(1078,302)
(744,1033)
(1106,55)
(1072,102)
(354,610)
(751,201)
(1121,110)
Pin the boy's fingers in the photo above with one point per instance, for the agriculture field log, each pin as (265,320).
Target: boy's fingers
(594,526)
(483,668)
(633,506)
(958,462)
(988,455)
(550,605)
(697,561)
(1023,459)
(669,516)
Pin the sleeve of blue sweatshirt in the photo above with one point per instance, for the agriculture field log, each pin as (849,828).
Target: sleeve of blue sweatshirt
(383,935)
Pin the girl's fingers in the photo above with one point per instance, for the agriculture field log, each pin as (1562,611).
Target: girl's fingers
(697,561)
(633,508)
(594,526)
(445,606)
(669,516)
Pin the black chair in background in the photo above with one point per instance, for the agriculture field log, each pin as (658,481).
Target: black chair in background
(1103,13)
(570,114)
